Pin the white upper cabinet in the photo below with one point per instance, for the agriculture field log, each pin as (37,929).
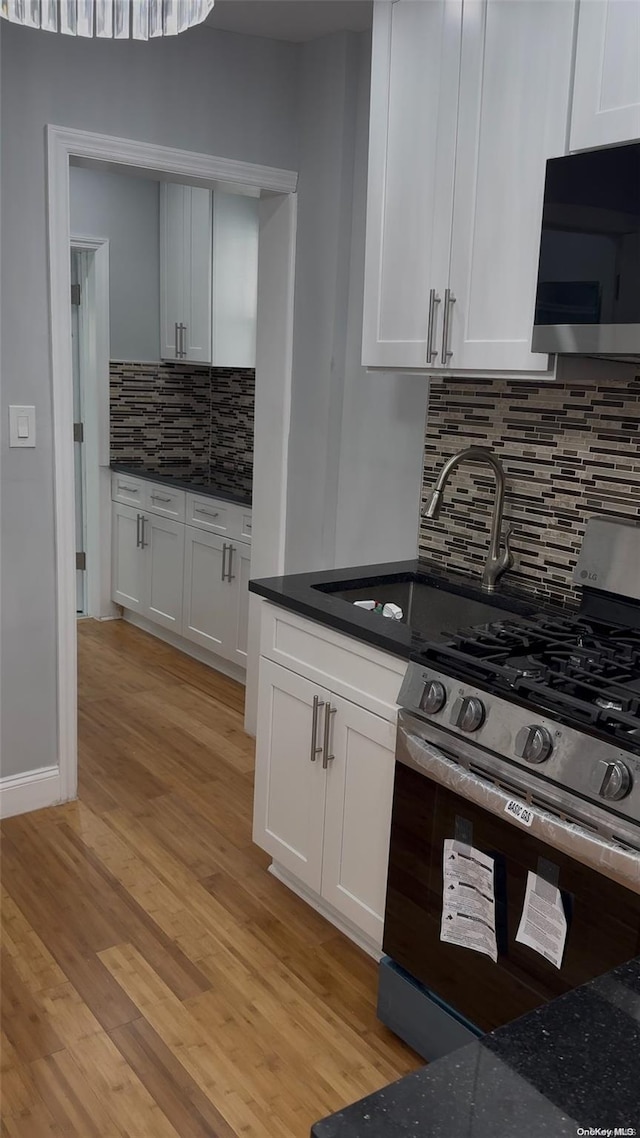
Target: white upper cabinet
(509,123)
(606,91)
(462,124)
(208,276)
(414,99)
(235,280)
(185,273)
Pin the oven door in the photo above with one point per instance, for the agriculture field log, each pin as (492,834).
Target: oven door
(436,797)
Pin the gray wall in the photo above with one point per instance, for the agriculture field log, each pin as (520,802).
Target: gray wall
(382,429)
(214,92)
(325,192)
(127,211)
(357,437)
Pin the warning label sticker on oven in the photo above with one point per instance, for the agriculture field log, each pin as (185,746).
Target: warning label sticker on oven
(543,925)
(468,899)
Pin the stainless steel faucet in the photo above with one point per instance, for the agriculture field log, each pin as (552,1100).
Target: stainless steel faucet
(497,561)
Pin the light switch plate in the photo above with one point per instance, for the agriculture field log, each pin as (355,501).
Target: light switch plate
(22,426)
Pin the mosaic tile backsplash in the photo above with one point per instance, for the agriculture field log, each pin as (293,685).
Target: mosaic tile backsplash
(179,414)
(569,452)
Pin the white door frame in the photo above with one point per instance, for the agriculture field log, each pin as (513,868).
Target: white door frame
(274,345)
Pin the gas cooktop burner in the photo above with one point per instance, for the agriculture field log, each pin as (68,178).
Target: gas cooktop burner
(609,704)
(583,671)
(525,666)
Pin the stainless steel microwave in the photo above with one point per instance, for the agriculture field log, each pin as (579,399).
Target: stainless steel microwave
(588,293)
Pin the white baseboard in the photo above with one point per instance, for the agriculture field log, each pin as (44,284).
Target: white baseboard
(234,671)
(33,790)
(326,911)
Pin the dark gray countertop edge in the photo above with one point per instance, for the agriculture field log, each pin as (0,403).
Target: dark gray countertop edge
(302,593)
(570,1064)
(208,490)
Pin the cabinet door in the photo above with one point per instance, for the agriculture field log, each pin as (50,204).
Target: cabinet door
(288,818)
(185,272)
(172,265)
(235,279)
(207,596)
(509,124)
(164,560)
(414,97)
(198,237)
(127,558)
(239,557)
(358,815)
(606,88)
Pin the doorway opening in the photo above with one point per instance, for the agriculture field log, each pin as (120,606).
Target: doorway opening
(277,224)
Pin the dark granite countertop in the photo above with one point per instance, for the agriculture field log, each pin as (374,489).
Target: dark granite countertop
(315,595)
(570,1067)
(213,482)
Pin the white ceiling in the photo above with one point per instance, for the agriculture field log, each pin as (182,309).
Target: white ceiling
(294,20)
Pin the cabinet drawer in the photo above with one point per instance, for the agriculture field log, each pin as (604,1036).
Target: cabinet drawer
(345,665)
(165,500)
(130,491)
(208,513)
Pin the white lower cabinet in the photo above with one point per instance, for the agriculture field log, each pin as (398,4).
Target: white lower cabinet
(187,578)
(216,593)
(323,793)
(205,612)
(127,567)
(240,555)
(164,555)
(147,558)
(290,781)
(358,815)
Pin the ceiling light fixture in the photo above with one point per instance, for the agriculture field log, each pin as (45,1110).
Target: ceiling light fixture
(108,19)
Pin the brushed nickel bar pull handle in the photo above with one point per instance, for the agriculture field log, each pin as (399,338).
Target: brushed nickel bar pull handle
(177,339)
(143,543)
(138,516)
(224,562)
(434,299)
(160,498)
(231,576)
(315,749)
(183,341)
(127,489)
(449,299)
(326,757)
(207,513)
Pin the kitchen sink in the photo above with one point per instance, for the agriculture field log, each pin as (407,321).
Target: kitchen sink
(431,610)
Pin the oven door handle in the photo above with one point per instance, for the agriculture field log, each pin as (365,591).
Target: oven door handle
(606,857)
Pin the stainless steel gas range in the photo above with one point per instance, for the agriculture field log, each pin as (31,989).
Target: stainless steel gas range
(514,871)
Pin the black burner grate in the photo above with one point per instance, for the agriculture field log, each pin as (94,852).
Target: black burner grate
(585,672)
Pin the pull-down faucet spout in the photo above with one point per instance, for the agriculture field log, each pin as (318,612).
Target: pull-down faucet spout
(497,561)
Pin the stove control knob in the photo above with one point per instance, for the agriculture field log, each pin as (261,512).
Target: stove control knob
(434,697)
(613,779)
(534,744)
(468,713)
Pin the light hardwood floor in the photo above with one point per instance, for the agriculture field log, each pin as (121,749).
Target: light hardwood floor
(156,981)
